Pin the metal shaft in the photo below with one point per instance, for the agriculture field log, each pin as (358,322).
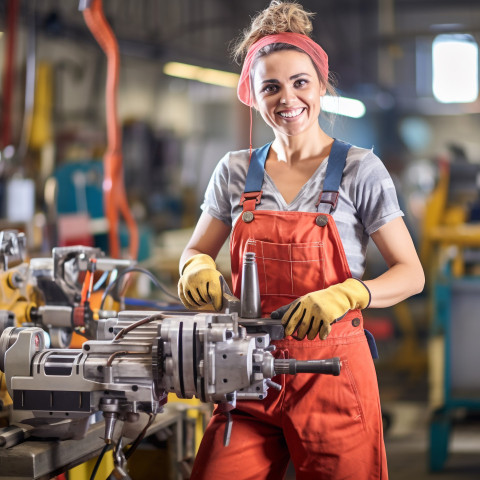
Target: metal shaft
(329,366)
(250,296)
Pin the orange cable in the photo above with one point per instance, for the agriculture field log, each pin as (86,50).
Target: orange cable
(114,194)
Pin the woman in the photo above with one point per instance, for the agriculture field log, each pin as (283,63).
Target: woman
(306,204)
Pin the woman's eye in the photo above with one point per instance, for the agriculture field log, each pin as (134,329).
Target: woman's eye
(301,82)
(270,88)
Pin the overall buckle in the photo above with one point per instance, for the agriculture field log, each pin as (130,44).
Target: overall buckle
(257,196)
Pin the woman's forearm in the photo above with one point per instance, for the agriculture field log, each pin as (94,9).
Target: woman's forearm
(396,284)
(208,237)
(404,276)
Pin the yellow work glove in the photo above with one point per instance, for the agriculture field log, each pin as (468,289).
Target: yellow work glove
(199,284)
(315,312)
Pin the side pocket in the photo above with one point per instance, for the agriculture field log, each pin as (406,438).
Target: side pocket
(359,409)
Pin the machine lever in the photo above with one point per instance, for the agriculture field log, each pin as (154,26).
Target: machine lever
(274,385)
(228,428)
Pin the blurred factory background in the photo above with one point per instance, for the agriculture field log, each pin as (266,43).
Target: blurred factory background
(407,78)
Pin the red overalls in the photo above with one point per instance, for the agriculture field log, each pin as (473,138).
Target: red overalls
(331,427)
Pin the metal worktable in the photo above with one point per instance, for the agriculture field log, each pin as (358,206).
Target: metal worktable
(41,459)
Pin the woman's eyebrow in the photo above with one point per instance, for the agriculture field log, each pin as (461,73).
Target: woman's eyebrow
(293,77)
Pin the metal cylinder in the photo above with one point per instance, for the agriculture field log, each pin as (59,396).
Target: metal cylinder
(56,316)
(328,366)
(12,435)
(250,295)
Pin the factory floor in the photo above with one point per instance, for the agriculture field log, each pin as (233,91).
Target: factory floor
(407,444)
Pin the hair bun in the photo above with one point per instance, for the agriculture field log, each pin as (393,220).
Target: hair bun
(278,17)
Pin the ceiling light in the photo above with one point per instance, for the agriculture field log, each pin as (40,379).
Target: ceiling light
(201,74)
(349,107)
(455,68)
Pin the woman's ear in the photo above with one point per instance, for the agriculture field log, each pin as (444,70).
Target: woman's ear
(323,89)
(254,100)
(252,93)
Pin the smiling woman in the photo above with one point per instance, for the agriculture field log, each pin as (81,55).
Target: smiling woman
(288,103)
(306,205)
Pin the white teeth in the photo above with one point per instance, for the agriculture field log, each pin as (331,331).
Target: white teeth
(293,113)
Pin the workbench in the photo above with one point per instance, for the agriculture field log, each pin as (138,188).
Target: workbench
(37,459)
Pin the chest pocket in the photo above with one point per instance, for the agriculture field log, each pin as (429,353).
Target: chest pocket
(288,269)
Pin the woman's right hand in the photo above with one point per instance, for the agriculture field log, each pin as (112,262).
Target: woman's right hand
(200,284)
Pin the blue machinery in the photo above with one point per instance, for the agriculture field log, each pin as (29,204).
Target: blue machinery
(455,359)
(450,254)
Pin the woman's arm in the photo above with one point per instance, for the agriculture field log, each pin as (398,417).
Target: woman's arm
(208,237)
(405,276)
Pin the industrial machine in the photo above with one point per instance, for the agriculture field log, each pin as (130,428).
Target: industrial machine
(53,293)
(65,282)
(137,359)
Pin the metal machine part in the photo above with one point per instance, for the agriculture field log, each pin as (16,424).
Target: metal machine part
(250,301)
(251,314)
(13,246)
(59,279)
(138,361)
(7,319)
(16,296)
(47,292)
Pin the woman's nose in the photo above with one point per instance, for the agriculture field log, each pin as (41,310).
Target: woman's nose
(286,96)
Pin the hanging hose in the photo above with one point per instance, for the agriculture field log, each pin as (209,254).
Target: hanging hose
(114,195)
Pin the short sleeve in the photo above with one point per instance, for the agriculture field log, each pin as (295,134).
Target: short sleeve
(217,202)
(375,195)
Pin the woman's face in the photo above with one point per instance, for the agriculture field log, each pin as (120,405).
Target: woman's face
(287,91)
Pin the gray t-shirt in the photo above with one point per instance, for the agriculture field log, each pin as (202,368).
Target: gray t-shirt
(367,198)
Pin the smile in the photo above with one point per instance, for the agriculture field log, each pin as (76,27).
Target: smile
(291,113)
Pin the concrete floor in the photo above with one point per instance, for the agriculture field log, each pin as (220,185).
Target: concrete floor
(407,446)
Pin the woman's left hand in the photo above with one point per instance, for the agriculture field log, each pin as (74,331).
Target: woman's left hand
(315,312)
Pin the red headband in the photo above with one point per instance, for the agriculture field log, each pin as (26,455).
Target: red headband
(311,48)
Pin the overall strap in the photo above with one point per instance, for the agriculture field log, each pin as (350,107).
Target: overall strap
(327,200)
(254,181)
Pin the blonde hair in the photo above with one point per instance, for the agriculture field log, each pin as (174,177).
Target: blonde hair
(278,17)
